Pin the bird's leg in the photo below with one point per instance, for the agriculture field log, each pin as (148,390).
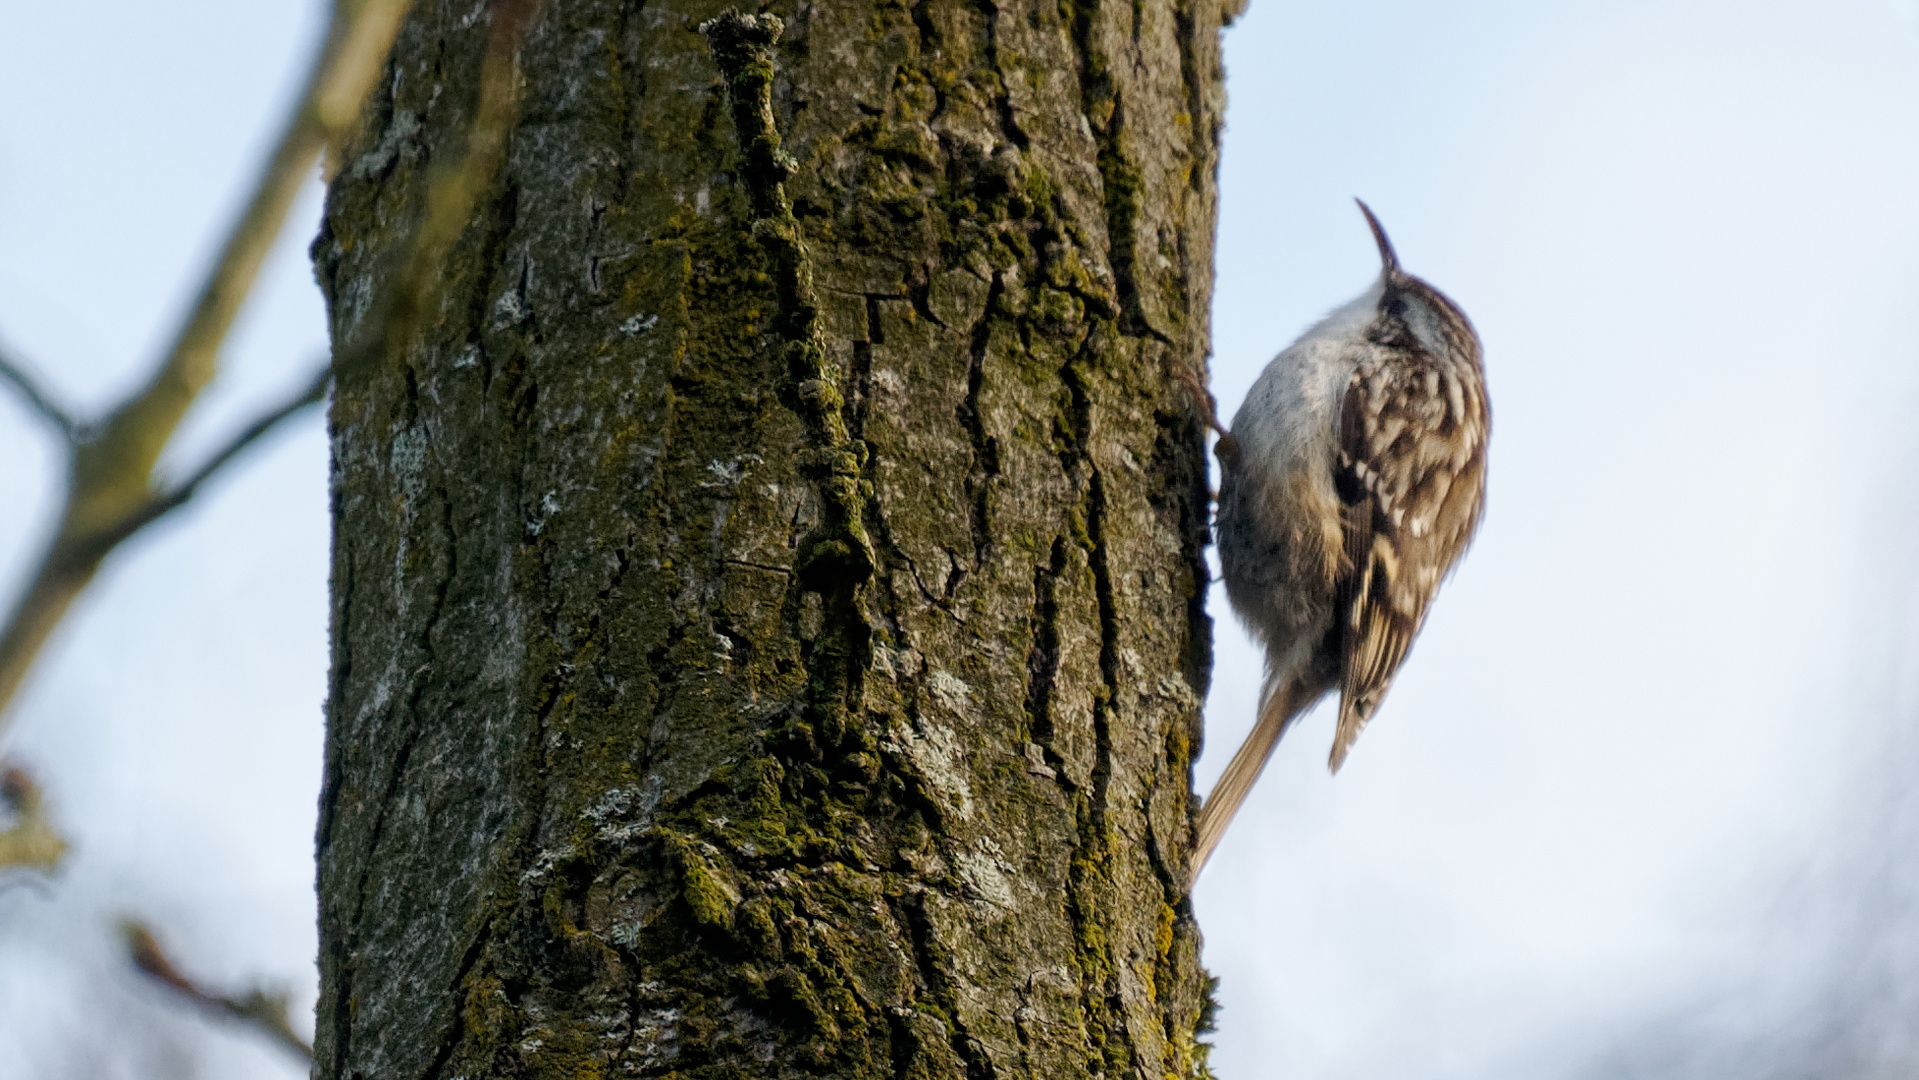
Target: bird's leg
(1203,398)
(1226,447)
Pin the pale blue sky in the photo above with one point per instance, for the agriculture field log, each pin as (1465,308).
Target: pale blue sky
(1626,745)
(1628,790)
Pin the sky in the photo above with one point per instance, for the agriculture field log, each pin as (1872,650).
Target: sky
(1632,807)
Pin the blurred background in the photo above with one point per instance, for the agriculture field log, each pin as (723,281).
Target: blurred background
(174,719)
(1637,806)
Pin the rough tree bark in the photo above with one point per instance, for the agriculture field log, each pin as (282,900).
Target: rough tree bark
(768,618)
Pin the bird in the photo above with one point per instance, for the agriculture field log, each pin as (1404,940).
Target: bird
(1351,482)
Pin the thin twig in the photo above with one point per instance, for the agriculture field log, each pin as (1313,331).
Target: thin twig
(265,1011)
(96,545)
(38,399)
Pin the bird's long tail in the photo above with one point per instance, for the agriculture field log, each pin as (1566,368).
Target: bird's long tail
(1217,811)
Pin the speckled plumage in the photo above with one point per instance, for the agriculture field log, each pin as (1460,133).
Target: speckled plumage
(1352,480)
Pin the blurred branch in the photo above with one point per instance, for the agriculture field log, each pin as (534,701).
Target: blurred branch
(111,493)
(97,545)
(38,399)
(264,1010)
(453,189)
(110,489)
(30,842)
(357,46)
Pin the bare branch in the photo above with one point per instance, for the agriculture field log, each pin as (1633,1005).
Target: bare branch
(111,498)
(111,494)
(265,1010)
(37,398)
(357,45)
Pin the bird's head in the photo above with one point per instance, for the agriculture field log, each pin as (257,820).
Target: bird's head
(1408,305)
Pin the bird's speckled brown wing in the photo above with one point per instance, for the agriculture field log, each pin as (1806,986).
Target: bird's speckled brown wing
(1411,473)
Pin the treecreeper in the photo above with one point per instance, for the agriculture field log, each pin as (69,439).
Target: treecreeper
(1352,481)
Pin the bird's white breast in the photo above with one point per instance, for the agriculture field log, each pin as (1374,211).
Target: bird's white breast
(1290,417)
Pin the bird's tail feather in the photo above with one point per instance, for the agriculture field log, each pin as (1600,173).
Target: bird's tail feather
(1353,716)
(1217,811)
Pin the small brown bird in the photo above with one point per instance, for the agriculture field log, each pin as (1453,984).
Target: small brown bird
(1351,482)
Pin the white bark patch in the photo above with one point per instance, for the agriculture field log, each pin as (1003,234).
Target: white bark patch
(1176,688)
(406,457)
(897,663)
(950,691)
(939,759)
(507,310)
(549,505)
(626,813)
(545,863)
(656,1036)
(1036,761)
(889,389)
(376,702)
(983,872)
(375,162)
(728,473)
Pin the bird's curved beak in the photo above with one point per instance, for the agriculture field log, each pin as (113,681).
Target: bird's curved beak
(1388,259)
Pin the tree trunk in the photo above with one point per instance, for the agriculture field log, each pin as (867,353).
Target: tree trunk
(768,620)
